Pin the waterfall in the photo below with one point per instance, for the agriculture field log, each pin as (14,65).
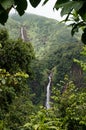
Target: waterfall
(48,93)
(22,34)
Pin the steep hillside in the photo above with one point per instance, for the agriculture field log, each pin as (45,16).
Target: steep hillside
(45,34)
(53,96)
(54,47)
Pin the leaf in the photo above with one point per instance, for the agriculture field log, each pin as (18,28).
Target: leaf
(27,125)
(74,29)
(6,4)
(21,6)
(3,17)
(83,38)
(53,127)
(68,6)
(21,74)
(59,2)
(3,81)
(45,2)
(34,3)
(36,127)
(62,1)
(82,12)
(0,90)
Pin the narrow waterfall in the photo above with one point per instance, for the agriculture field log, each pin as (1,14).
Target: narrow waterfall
(22,34)
(48,93)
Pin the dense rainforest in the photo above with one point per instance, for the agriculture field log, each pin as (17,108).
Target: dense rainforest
(24,69)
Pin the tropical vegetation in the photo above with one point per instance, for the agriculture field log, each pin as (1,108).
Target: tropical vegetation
(26,65)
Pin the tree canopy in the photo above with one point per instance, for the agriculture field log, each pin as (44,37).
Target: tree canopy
(15,55)
(68,104)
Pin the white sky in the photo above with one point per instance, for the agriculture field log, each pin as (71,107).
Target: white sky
(46,10)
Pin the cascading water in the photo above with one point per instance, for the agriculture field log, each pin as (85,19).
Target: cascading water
(48,93)
(22,33)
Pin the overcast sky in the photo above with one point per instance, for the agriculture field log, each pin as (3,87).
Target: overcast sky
(46,10)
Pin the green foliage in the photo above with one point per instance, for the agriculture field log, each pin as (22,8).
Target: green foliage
(82,62)
(75,11)
(37,82)
(68,8)
(21,6)
(45,2)
(15,55)
(34,3)
(15,97)
(43,120)
(10,83)
(7,5)
(51,50)
(83,36)
(67,111)
(3,35)
(45,34)
(67,107)
(13,92)
(19,109)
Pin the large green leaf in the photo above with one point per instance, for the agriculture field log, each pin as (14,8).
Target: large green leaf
(3,17)
(6,4)
(60,2)
(82,12)
(68,6)
(34,3)
(21,6)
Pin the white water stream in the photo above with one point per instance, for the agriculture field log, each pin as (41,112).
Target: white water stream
(48,86)
(22,34)
(48,93)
